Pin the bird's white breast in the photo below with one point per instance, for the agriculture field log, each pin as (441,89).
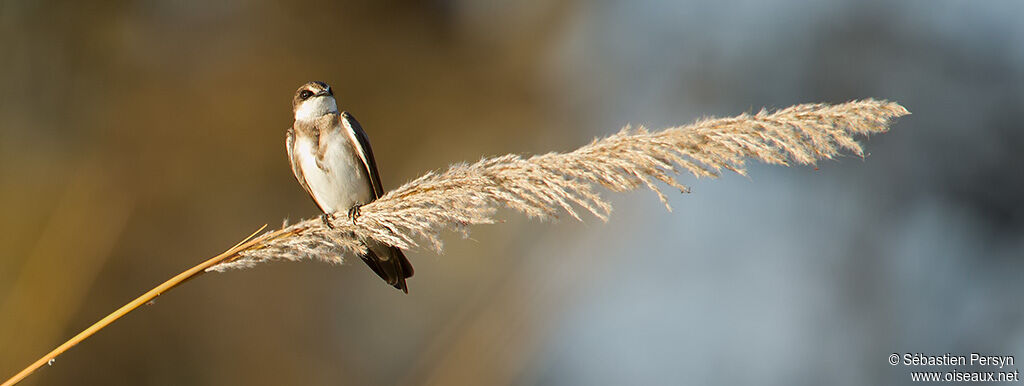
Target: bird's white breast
(344,183)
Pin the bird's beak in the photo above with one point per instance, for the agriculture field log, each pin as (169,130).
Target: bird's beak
(325,92)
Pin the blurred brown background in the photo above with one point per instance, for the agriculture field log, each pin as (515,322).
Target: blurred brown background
(138,138)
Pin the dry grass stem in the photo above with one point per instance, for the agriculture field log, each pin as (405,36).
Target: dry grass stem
(544,186)
(168,285)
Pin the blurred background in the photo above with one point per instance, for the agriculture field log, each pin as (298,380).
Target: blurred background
(138,138)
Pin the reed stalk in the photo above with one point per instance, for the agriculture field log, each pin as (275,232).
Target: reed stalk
(545,186)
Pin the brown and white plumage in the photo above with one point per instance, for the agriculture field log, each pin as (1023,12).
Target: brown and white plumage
(331,158)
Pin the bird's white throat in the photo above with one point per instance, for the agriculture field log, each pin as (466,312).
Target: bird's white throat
(316,107)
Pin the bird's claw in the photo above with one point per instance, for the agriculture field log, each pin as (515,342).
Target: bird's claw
(327,220)
(353,212)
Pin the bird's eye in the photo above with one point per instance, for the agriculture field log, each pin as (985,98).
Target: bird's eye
(305,94)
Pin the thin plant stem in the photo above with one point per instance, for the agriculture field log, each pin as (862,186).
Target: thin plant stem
(139,301)
(546,185)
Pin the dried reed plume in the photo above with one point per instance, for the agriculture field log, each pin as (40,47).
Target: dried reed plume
(545,185)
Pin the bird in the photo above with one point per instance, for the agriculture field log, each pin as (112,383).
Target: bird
(331,158)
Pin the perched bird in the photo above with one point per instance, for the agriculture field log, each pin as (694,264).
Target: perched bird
(331,157)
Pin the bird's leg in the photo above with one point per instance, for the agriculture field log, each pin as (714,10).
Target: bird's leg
(327,220)
(353,212)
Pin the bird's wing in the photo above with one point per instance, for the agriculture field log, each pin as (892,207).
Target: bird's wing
(293,158)
(395,268)
(362,144)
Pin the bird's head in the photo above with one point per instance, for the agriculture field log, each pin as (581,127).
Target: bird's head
(313,100)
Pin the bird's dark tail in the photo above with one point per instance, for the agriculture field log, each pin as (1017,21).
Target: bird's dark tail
(389,263)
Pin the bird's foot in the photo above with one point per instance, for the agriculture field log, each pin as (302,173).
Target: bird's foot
(353,212)
(327,218)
